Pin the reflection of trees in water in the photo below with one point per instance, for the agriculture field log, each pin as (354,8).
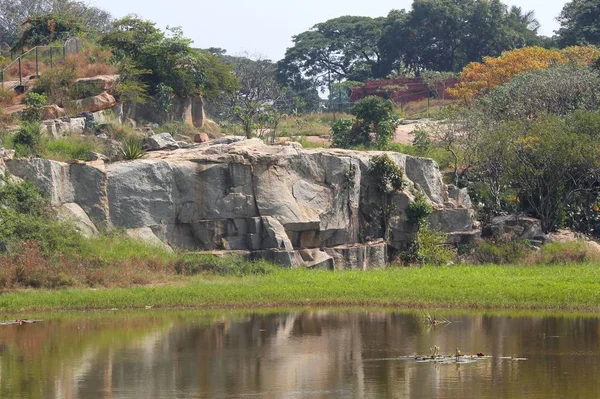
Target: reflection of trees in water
(330,354)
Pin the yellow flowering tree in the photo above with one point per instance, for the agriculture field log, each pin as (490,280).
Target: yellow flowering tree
(479,78)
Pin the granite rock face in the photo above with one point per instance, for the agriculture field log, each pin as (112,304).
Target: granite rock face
(317,207)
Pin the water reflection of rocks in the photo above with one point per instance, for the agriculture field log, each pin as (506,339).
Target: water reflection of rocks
(317,354)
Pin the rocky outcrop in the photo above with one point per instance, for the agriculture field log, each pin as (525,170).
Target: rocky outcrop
(52,112)
(315,207)
(188,110)
(96,103)
(517,226)
(63,126)
(57,128)
(98,84)
(73,213)
(157,142)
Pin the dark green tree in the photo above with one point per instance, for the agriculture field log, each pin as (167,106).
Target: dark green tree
(338,49)
(580,23)
(47,28)
(168,59)
(446,35)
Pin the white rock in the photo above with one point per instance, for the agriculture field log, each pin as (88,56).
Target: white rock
(73,213)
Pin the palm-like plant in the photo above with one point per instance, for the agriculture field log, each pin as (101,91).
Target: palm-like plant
(132,149)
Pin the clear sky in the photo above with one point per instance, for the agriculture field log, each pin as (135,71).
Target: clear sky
(265,27)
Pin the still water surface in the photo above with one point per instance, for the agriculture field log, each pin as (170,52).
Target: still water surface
(297,354)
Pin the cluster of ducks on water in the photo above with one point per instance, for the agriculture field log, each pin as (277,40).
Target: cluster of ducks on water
(434,353)
(434,356)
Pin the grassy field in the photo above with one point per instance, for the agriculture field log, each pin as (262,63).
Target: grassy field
(558,287)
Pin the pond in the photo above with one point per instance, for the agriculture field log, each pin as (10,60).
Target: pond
(299,354)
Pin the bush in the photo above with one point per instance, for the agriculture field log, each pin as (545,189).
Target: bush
(388,176)
(429,247)
(27,141)
(33,112)
(26,216)
(343,134)
(373,115)
(432,248)
(419,210)
(557,91)
(564,253)
(504,250)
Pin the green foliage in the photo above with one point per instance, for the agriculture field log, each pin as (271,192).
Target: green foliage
(46,29)
(163,100)
(547,161)
(256,95)
(373,114)
(69,148)
(22,197)
(166,59)
(502,251)
(14,13)
(343,48)
(131,88)
(57,84)
(435,35)
(27,141)
(132,149)
(429,248)
(33,112)
(387,174)
(579,23)
(35,100)
(557,90)
(342,134)
(372,110)
(193,264)
(25,216)
(419,210)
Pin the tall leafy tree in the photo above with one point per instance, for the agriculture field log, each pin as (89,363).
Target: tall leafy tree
(256,100)
(580,23)
(445,35)
(169,59)
(341,48)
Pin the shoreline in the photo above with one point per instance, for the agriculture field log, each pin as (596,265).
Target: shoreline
(551,288)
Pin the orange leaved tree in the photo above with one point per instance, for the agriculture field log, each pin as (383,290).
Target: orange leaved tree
(478,78)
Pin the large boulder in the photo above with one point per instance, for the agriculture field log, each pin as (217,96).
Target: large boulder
(64,126)
(52,112)
(74,214)
(146,235)
(517,226)
(162,141)
(97,84)
(96,103)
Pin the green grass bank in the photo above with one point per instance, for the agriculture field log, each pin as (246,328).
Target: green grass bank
(553,287)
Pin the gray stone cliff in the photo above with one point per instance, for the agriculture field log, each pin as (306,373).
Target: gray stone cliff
(316,207)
